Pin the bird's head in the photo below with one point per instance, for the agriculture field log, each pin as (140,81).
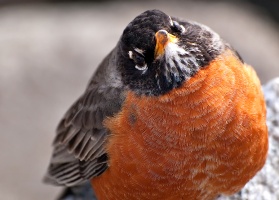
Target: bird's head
(157,53)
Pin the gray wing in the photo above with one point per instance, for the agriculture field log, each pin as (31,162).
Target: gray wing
(79,146)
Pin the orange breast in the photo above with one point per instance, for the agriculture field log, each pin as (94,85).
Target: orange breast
(202,139)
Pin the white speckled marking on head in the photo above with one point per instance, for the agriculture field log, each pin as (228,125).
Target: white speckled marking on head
(130,54)
(183,28)
(141,68)
(171,22)
(173,56)
(140,51)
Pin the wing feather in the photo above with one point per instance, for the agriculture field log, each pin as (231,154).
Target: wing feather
(79,146)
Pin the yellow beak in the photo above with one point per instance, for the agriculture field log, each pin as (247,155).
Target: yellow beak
(162,39)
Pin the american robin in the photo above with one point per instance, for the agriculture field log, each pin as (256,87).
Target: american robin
(171,113)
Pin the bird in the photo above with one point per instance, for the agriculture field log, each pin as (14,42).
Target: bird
(172,112)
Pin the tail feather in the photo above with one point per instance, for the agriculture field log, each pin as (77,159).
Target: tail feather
(79,192)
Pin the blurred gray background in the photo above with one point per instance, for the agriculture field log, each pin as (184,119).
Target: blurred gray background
(49,50)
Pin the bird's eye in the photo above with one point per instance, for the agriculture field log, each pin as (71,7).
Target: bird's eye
(177,27)
(138,59)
